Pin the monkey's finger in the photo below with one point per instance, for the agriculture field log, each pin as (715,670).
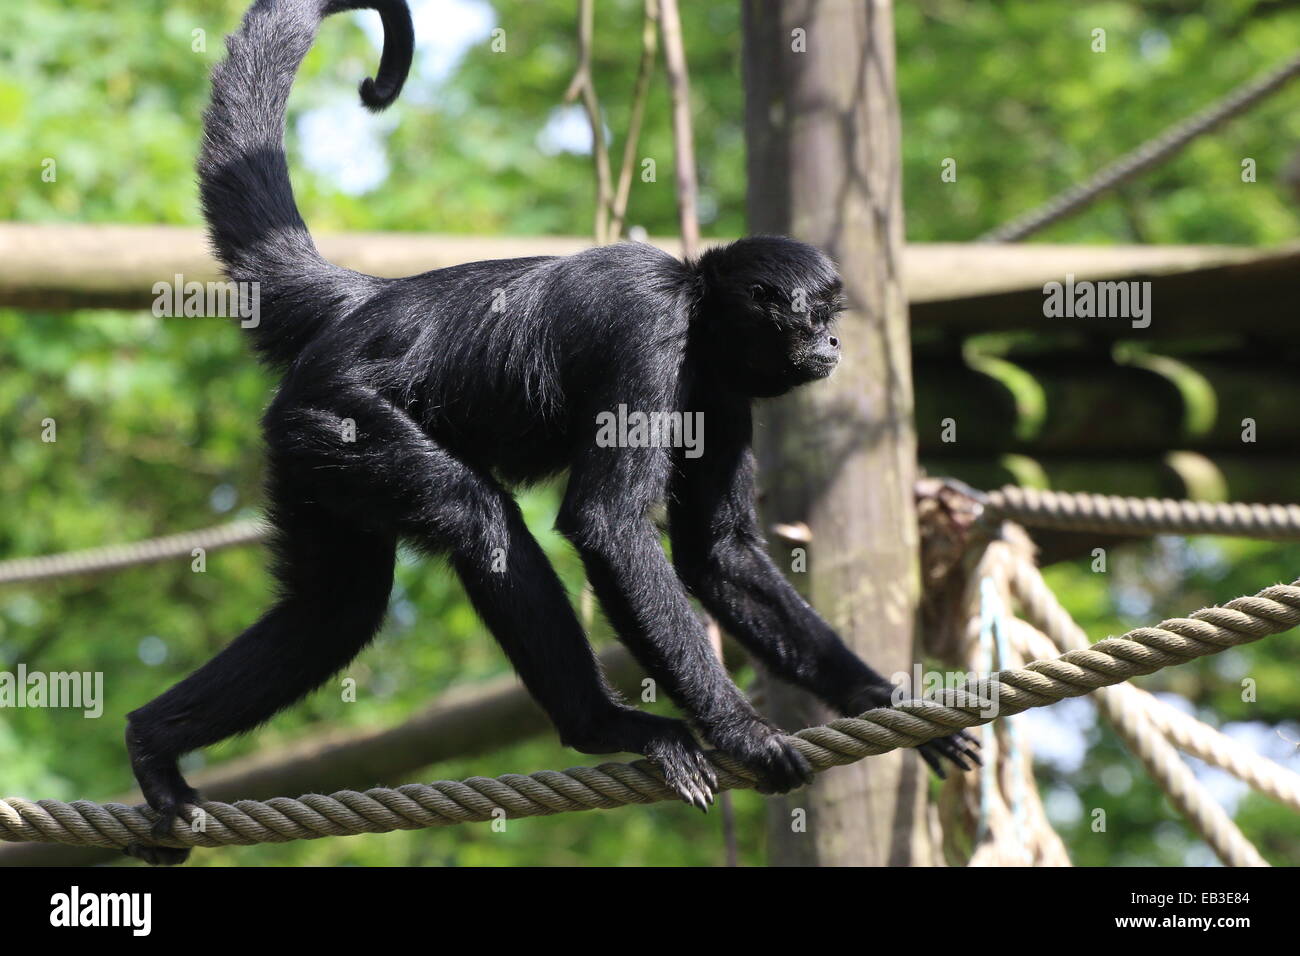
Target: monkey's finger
(692,791)
(957,748)
(705,782)
(700,798)
(956,758)
(929,757)
(788,769)
(802,769)
(708,773)
(965,748)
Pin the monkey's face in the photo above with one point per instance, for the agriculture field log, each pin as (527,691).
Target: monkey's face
(784,337)
(769,311)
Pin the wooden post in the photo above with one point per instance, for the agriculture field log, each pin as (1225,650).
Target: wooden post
(823,166)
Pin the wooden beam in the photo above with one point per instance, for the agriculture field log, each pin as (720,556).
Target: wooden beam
(968,286)
(1227,290)
(69,266)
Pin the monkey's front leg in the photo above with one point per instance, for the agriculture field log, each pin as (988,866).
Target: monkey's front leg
(720,555)
(644,600)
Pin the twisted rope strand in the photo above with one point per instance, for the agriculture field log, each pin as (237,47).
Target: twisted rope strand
(1067,511)
(448,802)
(1123,706)
(1186,732)
(115,556)
(1049,509)
(1215,747)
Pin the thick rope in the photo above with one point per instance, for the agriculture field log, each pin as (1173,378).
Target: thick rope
(115,556)
(1006,564)
(1127,714)
(1186,733)
(1013,828)
(448,802)
(1048,509)
(1069,511)
(1153,151)
(1218,749)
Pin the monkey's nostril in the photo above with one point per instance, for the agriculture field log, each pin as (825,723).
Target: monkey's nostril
(835,343)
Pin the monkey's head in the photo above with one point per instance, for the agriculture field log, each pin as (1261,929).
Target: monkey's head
(767,313)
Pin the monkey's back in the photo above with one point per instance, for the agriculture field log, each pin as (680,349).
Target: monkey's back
(506,362)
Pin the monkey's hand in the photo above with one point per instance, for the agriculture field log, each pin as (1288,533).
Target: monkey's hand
(962,748)
(765,752)
(166,791)
(170,809)
(157,855)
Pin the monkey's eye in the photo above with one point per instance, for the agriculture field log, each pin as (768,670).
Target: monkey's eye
(762,293)
(826,313)
(832,309)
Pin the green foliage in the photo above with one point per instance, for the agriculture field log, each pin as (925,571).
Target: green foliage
(157,418)
(1015,93)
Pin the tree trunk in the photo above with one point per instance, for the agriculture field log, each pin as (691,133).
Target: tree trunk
(823,165)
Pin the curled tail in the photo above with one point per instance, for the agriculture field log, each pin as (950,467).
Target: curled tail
(253,221)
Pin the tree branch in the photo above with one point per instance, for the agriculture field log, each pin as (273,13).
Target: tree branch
(683,136)
(649,43)
(583,85)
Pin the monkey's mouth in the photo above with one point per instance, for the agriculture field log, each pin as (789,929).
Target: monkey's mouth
(820,368)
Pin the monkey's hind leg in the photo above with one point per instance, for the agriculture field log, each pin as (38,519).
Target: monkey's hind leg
(334,581)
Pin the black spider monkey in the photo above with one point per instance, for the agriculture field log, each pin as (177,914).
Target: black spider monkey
(407,407)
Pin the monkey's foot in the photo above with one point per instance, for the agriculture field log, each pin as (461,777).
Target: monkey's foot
(766,753)
(685,767)
(665,742)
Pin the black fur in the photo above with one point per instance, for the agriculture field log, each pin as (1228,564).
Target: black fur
(465,381)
